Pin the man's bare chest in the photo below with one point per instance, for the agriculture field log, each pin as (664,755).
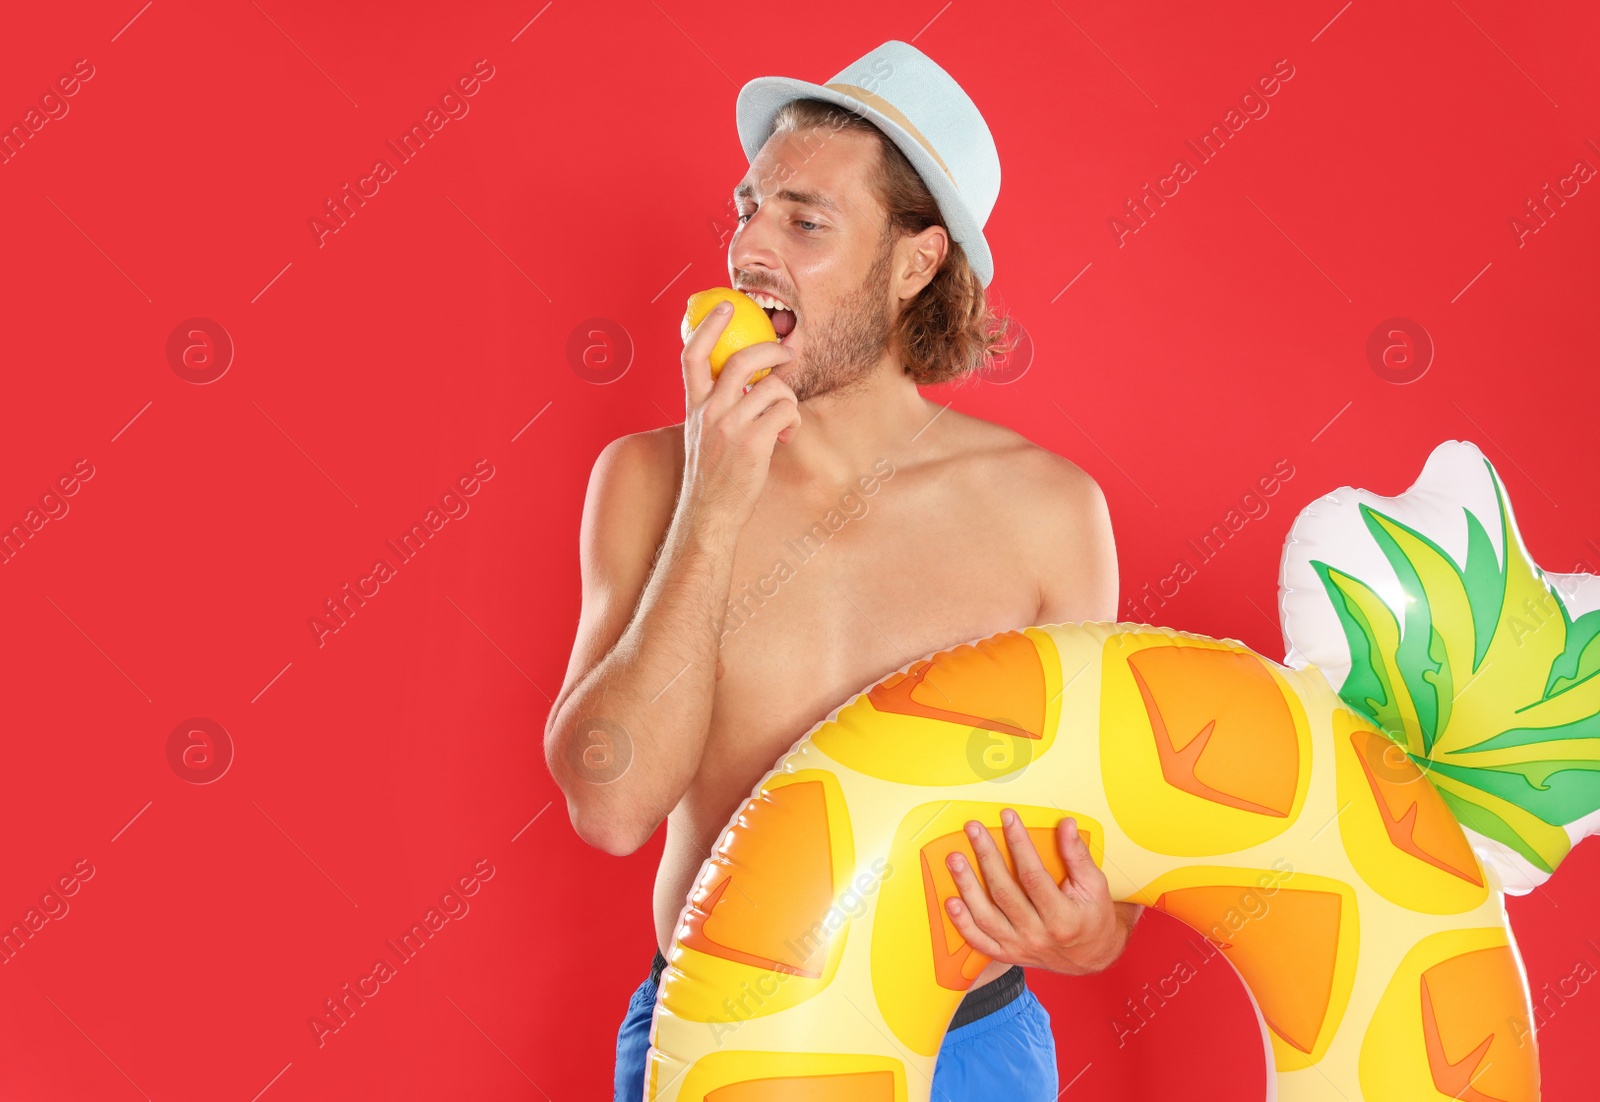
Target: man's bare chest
(827,597)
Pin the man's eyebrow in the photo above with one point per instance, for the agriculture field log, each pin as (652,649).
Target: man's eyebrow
(804,198)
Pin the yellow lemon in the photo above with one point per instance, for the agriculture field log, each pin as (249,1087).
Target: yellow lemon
(748,325)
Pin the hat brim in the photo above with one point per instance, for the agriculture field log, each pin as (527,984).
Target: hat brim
(759,102)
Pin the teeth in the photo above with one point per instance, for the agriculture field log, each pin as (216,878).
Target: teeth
(766,301)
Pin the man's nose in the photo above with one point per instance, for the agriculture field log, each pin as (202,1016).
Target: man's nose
(754,242)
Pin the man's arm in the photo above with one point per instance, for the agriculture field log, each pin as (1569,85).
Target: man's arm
(625,737)
(1075,550)
(1083,586)
(626,733)
(1073,927)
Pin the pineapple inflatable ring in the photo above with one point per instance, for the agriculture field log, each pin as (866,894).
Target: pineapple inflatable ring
(1347,851)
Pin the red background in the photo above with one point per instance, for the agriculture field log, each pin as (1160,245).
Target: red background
(590,180)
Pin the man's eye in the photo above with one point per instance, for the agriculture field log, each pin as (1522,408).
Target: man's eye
(809,227)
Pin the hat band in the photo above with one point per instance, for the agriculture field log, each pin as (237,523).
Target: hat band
(877,102)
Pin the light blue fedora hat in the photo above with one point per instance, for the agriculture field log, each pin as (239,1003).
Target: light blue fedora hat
(923,111)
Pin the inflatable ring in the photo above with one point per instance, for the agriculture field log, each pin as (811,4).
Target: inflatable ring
(1346,851)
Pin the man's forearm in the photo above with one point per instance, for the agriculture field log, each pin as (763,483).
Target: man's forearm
(628,738)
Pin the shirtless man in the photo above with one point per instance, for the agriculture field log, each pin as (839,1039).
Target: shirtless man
(958,528)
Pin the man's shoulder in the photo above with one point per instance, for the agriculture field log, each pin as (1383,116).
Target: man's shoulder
(649,445)
(646,461)
(634,484)
(1033,476)
(1056,520)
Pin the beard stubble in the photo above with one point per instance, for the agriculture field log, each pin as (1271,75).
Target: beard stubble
(843,355)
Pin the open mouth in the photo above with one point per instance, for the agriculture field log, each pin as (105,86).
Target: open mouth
(784,320)
(783,323)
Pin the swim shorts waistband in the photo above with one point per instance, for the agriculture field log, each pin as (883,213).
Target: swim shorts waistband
(977,1004)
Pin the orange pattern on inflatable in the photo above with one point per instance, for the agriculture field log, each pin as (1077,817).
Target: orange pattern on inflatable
(973,685)
(1287,955)
(1467,1006)
(1418,820)
(1222,729)
(784,880)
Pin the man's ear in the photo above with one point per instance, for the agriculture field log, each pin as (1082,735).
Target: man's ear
(923,254)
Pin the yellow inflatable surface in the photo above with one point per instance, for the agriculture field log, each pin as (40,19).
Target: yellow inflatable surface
(1346,851)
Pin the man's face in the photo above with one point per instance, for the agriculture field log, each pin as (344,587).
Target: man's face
(811,234)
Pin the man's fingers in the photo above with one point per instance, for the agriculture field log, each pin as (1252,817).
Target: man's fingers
(976,899)
(728,392)
(759,401)
(697,381)
(1036,881)
(780,420)
(1003,889)
(1082,873)
(971,931)
(729,385)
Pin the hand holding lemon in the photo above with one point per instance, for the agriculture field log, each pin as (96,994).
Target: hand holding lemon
(731,426)
(748,325)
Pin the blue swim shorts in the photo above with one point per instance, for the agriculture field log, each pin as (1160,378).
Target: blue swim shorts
(999,1045)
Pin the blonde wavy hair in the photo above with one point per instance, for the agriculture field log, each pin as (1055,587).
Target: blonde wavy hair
(948,331)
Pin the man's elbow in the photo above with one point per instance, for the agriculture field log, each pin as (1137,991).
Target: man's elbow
(595,822)
(605,832)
